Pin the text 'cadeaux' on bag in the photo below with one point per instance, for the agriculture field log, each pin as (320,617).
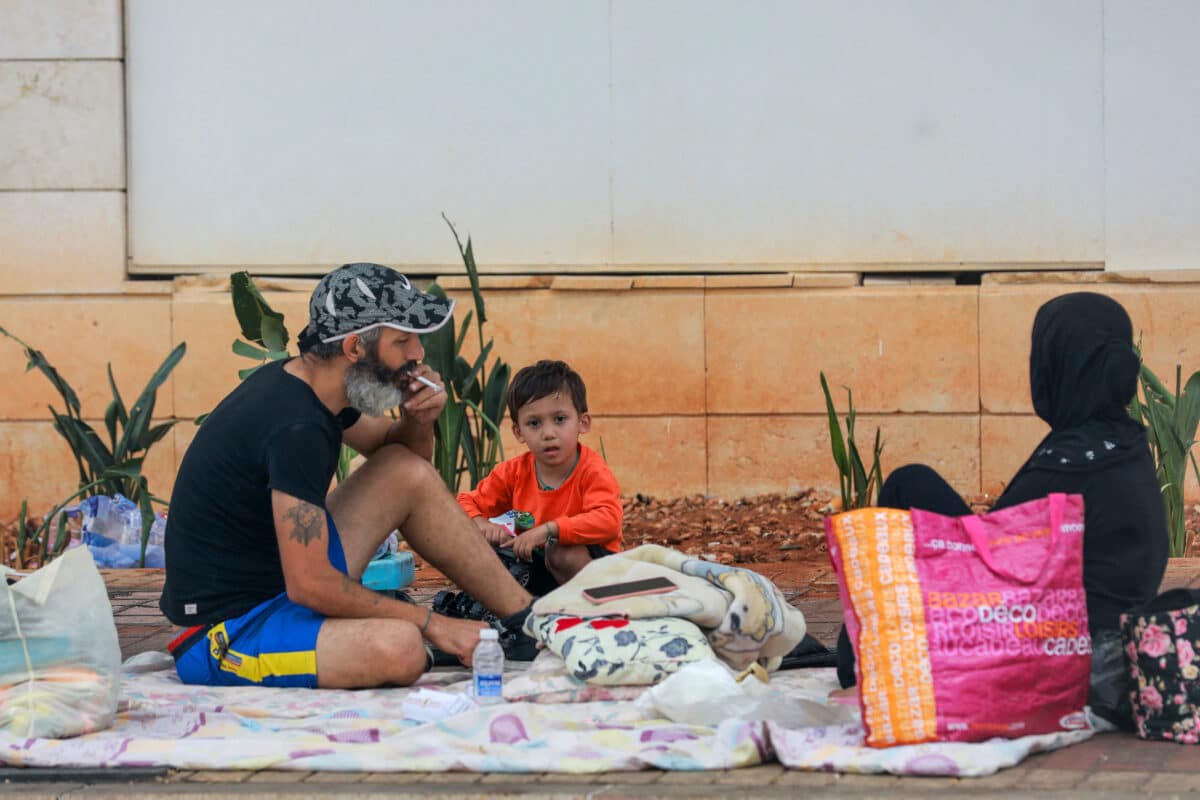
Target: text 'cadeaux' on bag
(965,628)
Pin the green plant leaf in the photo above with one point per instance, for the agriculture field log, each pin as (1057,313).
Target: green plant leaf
(131,468)
(22,533)
(139,417)
(248,350)
(1187,410)
(246,373)
(156,433)
(468,258)
(463,331)
(84,441)
(495,395)
(346,456)
(252,310)
(110,422)
(274,335)
(470,457)
(477,368)
(835,431)
(62,536)
(147,519)
(859,472)
(118,401)
(876,467)
(440,344)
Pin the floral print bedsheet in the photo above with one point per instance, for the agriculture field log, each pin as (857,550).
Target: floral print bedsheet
(163,722)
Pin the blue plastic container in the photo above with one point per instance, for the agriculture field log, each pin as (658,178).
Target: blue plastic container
(390,573)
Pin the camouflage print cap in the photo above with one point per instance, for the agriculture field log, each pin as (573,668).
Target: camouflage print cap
(358,297)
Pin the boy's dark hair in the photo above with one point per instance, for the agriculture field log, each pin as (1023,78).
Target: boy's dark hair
(542,380)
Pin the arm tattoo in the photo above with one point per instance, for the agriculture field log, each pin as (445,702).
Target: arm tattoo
(307,521)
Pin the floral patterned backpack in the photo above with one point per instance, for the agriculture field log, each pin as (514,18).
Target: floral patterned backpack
(1162,643)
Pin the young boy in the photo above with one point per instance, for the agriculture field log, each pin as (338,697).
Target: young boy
(566,486)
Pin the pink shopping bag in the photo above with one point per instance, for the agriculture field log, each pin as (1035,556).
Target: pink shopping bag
(965,628)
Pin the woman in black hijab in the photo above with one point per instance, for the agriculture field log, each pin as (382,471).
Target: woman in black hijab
(1083,373)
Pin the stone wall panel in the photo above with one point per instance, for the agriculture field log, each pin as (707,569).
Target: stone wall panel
(906,349)
(61,242)
(79,336)
(62,125)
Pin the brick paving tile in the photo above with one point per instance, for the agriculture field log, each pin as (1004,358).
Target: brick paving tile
(562,777)
(177,775)
(1051,778)
(1004,779)
(1184,757)
(798,778)
(278,776)
(1091,754)
(1175,782)
(39,791)
(452,777)
(335,777)
(751,776)
(1115,780)
(631,778)
(219,776)
(878,783)
(506,777)
(688,778)
(402,778)
(932,784)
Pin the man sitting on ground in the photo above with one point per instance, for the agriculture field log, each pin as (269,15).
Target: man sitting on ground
(263,563)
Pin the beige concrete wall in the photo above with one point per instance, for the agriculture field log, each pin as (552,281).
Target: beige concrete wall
(62,136)
(697,385)
(62,241)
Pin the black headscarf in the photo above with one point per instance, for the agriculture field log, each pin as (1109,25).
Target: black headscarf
(1083,373)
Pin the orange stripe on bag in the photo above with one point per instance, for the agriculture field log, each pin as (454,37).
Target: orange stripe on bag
(877,559)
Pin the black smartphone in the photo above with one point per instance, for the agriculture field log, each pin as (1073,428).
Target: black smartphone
(617,591)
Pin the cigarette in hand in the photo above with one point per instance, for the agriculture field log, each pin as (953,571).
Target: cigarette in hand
(428,382)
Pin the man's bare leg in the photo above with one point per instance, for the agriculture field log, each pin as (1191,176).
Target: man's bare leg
(397,489)
(363,653)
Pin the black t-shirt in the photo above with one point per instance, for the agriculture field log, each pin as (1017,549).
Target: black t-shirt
(222,557)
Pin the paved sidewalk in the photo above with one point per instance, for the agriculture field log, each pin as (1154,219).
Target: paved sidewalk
(1107,766)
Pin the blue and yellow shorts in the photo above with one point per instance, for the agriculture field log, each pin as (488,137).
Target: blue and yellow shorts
(273,644)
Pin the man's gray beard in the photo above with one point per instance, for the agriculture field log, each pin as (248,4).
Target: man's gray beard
(368,393)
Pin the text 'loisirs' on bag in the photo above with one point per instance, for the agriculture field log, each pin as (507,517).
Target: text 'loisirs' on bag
(1161,643)
(965,628)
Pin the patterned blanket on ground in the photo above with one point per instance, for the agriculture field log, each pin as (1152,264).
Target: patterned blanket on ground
(745,616)
(163,722)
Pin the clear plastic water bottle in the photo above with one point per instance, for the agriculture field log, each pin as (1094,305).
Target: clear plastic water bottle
(488,667)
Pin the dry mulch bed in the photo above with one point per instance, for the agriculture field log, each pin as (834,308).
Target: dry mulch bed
(764,529)
(767,529)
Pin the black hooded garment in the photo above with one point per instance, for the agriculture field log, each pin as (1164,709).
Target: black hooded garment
(1082,375)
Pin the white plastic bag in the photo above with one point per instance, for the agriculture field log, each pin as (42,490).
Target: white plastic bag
(708,693)
(59,655)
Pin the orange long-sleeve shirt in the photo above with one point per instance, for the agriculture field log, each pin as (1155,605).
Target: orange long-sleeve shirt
(587,507)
